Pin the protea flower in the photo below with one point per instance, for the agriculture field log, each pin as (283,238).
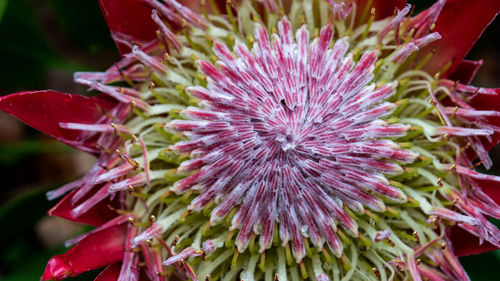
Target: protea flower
(285,140)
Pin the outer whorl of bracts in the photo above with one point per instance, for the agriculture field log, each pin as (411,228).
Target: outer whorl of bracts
(264,141)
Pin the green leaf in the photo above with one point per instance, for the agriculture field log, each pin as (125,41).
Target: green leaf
(22,257)
(10,153)
(27,52)
(83,24)
(23,211)
(3,7)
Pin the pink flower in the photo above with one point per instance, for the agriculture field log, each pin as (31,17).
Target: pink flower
(251,140)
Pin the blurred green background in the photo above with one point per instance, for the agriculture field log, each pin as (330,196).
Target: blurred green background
(42,42)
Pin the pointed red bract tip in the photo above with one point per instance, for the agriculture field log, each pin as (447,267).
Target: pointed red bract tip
(56,269)
(465,244)
(110,273)
(131,18)
(466,71)
(44,110)
(130,21)
(98,249)
(490,188)
(460,23)
(97,215)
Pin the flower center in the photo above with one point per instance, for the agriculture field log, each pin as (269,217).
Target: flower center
(290,134)
(287,141)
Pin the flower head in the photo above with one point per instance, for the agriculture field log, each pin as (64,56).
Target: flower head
(286,140)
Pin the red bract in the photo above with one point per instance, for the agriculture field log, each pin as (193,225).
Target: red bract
(461,23)
(128,20)
(466,71)
(490,188)
(110,273)
(451,50)
(97,215)
(466,244)
(44,110)
(99,249)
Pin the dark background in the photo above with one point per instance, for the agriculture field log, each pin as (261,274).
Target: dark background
(42,42)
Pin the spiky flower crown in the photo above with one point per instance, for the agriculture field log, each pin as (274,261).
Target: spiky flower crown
(289,142)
